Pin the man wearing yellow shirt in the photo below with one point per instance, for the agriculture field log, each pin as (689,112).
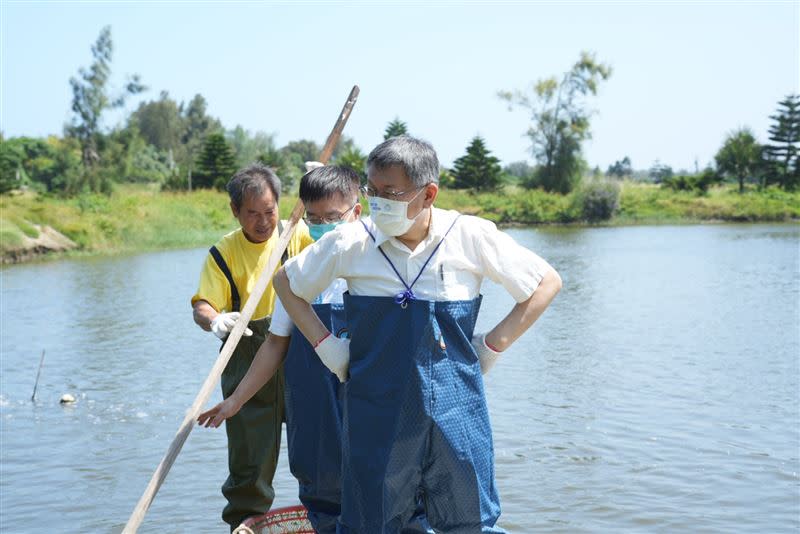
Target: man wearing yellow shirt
(229,274)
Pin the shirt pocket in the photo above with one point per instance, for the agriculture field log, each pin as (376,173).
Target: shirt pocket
(457,284)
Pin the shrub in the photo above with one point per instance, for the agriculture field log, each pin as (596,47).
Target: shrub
(175,182)
(698,183)
(598,200)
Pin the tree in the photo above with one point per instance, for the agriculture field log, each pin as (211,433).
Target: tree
(216,163)
(345,144)
(11,157)
(477,170)
(90,98)
(740,156)
(289,167)
(660,172)
(248,147)
(197,126)
(159,122)
(560,120)
(50,164)
(145,163)
(354,159)
(781,155)
(395,128)
(620,168)
(305,149)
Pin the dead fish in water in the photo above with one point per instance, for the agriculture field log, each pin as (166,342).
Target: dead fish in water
(66,398)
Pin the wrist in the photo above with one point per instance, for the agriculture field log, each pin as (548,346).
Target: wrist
(320,340)
(236,400)
(493,345)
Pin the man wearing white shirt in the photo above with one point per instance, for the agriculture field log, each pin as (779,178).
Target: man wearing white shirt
(416,425)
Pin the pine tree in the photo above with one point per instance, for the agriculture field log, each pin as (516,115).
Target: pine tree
(478,169)
(395,128)
(216,163)
(781,154)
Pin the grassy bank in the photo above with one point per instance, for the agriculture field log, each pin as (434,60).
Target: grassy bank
(139,219)
(639,204)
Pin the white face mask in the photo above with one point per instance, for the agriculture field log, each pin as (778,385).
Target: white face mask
(390,215)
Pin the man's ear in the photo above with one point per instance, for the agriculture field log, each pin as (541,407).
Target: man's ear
(431,191)
(234,210)
(357,210)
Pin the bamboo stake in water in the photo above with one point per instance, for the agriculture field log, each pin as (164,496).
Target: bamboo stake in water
(38,373)
(230,344)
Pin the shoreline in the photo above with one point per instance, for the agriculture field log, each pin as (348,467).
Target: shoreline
(135,219)
(45,255)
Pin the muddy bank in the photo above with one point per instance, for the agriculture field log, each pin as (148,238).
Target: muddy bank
(48,241)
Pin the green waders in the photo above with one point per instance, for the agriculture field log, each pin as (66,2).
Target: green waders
(254,434)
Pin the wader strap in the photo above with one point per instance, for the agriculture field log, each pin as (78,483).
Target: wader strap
(403,298)
(236,301)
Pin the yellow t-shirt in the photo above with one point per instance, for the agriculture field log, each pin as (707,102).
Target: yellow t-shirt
(245,261)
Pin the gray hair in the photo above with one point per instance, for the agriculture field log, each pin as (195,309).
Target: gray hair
(416,157)
(253,179)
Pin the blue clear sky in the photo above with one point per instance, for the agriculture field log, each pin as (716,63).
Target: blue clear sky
(685,74)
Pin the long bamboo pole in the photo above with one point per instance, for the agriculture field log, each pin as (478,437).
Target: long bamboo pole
(163,468)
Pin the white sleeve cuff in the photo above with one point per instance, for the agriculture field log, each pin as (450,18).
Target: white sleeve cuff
(281,324)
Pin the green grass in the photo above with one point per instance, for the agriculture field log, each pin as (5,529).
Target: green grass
(651,203)
(138,218)
(639,204)
(10,236)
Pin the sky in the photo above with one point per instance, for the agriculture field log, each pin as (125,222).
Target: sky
(685,74)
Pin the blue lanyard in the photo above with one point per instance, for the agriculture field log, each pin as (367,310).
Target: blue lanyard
(403,297)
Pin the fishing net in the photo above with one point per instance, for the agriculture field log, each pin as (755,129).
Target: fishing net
(291,520)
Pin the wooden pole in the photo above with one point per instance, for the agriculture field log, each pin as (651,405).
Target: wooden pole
(163,468)
(39,372)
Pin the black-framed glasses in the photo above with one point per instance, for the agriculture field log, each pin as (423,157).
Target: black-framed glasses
(369,191)
(327,220)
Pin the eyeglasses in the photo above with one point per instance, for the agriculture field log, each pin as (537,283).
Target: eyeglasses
(369,191)
(326,220)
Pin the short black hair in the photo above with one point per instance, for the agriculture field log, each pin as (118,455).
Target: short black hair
(328,181)
(253,179)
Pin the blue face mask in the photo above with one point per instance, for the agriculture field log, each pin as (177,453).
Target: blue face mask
(318,230)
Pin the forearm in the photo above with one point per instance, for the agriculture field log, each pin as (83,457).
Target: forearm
(298,309)
(524,314)
(269,357)
(203,313)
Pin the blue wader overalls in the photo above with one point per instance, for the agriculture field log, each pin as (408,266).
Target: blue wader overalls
(314,423)
(254,434)
(416,425)
(314,427)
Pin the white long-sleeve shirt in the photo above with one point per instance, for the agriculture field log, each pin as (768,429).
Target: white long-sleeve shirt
(282,324)
(473,249)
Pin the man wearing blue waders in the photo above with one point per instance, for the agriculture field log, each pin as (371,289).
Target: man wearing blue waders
(312,392)
(230,271)
(416,424)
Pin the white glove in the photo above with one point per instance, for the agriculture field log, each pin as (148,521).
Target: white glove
(311,165)
(335,354)
(487,356)
(223,324)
